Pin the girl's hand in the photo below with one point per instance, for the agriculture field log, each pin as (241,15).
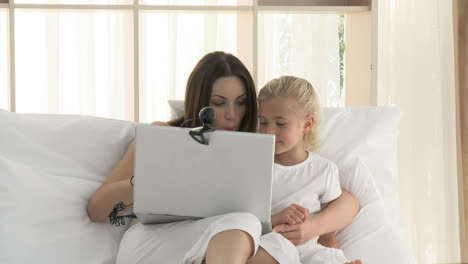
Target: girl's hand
(293,214)
(300,233)
(297,234)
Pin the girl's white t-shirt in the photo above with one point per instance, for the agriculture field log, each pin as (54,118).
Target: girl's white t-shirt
(308,184)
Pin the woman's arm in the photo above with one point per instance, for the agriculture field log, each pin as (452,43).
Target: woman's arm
(337,215)
(116,187)
(328,239)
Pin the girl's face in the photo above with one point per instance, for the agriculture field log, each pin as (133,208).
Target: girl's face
(277,117)
(229,100)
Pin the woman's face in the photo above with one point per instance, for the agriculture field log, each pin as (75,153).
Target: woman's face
(229,100)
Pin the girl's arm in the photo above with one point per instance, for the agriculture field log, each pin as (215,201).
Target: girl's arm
(116,187)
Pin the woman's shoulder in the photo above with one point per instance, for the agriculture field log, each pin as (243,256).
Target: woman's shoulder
(159,123)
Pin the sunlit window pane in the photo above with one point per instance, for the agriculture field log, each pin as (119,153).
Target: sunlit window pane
(304,45)
(76,2)
(198,2)
(170,46)
(4,67)
(75,62)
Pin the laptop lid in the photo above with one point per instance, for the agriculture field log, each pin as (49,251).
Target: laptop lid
(177,178)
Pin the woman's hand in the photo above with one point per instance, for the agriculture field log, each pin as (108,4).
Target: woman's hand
(293,214)
(328,240)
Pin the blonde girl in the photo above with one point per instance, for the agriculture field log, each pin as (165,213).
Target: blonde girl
(304,183)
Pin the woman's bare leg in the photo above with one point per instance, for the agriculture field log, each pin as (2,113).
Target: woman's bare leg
(232,246)
(262,257)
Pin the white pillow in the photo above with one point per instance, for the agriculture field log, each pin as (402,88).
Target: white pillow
(362,141)
(176,108)
(367,133)
(50,166)
(372,236)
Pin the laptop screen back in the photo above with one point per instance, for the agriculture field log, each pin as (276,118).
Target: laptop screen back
(178,178)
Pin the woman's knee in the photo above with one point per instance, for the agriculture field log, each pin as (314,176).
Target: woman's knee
(243,217)
(243,221)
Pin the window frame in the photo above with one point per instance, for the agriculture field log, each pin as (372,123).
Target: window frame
(294,6)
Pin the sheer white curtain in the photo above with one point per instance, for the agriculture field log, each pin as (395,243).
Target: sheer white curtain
(4,71)
(172,43)
(170,46)
(81,2)
(74,62)
(304,45)
(416,72)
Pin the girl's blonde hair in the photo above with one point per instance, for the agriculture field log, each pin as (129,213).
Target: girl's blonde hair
(306,99)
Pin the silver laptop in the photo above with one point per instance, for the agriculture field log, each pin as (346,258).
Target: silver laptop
(177,178)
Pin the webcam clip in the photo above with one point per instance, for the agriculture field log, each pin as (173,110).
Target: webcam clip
(198,133)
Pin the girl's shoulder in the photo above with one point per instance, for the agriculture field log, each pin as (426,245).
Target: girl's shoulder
(317,160)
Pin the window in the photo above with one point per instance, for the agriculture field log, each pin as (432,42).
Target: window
(170,46)
(122,59)
(303,45)
(80,62)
